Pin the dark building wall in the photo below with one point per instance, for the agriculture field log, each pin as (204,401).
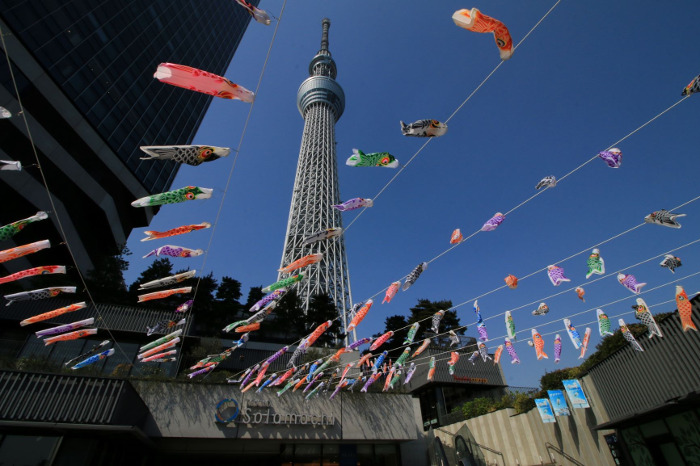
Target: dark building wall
(188,410)
(84,74)
(652,398)
(20,348)
(631,382)
(446,392)
(103,55)
(79,420)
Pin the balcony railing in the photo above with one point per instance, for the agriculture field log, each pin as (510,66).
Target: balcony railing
(35,397)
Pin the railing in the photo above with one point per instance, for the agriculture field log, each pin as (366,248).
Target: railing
(484,447)
(439,455)
(464,455)
(526,390)
(558,450)
(35,397)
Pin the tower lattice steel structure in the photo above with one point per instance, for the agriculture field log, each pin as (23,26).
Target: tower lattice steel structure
(321,102)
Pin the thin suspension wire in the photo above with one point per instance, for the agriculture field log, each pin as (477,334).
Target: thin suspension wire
(573,255)
(50,197)
(240,142)
(424,360)
(572,315)
(593,322)
(580,252)
(592,281)
(537,194)
(624,138)
(531,197)
(425,144)
(545,334)
(547,323)
(543,268)
(233,165)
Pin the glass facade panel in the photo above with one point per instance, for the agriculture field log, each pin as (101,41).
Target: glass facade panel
(25,450)
(365,454)
(120,362)
(637,447)
(652,429)
(331,455)
(66,351)
(76,452)
(671,454)
(103,55)
(307,455)
(686,432)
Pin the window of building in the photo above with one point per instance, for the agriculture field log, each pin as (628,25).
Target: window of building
(386,454)
(307,455)
(27,450)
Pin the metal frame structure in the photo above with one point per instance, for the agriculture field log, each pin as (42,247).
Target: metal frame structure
(321,102)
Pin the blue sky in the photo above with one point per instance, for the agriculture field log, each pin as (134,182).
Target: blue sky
(589,75)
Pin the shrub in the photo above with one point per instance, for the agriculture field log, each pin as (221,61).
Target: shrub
(523,403)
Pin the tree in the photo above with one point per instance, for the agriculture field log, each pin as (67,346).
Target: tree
(106,281)
(225,307)
(322,308)
(610,344)
(553,380)
(288,319)
(203,292)
(255,294)
(208,321)
(229,292)
(158,269)
(423,313)
(397,324)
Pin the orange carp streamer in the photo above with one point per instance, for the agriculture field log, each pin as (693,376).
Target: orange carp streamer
(476,21)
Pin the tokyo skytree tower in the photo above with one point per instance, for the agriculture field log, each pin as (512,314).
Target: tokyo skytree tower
(321,102)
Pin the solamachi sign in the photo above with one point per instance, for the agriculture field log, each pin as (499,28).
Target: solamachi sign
(228,411)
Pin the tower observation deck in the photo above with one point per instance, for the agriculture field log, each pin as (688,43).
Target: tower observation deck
(321,102)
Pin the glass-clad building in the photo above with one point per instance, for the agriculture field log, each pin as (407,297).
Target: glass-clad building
(84,74)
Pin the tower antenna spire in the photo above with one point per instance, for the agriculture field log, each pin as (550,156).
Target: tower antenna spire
(324,37)
(321,102)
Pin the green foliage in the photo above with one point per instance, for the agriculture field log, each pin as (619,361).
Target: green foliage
(523,403)
(478,407)
(610,344)
(229,291)
(520,402)
(255,294)
(394,323)
(106,280)
(288,320)
(423,313)
(553,380)
(321,309)
(205,286)
(206,347)
(160,268)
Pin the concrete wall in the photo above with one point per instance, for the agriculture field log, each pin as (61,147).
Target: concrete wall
(522,439)
(188,410)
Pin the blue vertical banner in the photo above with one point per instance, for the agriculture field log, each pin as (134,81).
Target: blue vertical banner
(576,396)
(545,410)
(558,400)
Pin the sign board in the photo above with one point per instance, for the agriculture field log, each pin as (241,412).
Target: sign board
(545,410)
(575,392)
(558,400)
(228,411)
